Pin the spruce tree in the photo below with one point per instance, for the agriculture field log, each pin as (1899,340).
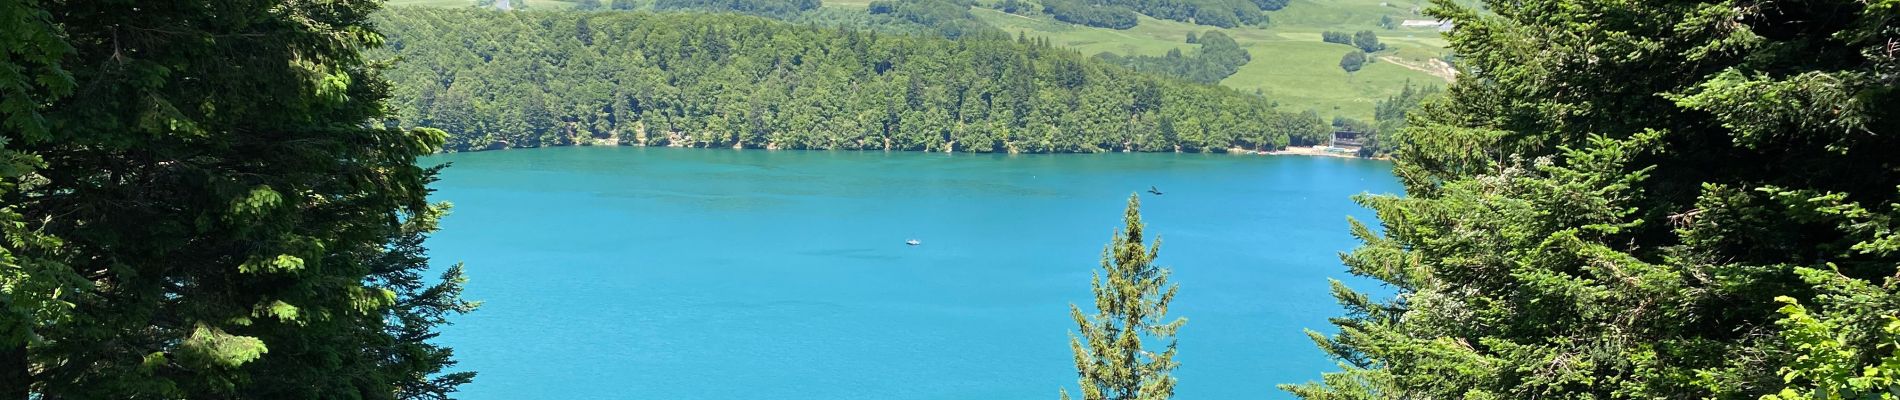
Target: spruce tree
(32,279)
(201,199)
(1669,200)
(1131,303)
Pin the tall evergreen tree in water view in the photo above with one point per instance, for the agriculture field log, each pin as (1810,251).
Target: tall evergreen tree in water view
(1686,199)
(1131,306)
(199,200)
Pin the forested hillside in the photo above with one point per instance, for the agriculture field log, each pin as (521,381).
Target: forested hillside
(1290,64)
(528,79)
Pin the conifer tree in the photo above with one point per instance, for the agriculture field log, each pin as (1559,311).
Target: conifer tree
(201,200)
(1131,302)
(1646,200)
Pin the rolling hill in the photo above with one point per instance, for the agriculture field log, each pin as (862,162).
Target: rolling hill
(1290,64)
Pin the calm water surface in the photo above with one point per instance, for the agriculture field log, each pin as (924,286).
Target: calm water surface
(714,274)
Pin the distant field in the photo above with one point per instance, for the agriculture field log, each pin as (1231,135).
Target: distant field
(1305,75)
(1290,63)
(543,4)
(1342,14)
(432,3)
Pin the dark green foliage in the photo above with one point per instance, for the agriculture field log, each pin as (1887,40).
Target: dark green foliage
(1221,13)
(1389,117)
(1308,128)
(1644,200)
(587,5)
(1225,17)
(623,5)
(1218,58)
(1385,21)
(1351,125)
(734,81)
(766,8)
(34,279)
(948,18)
(198,201)
(1352,61)
(1018,7)
(1222,50)
(942,18)
(1394,108)
(1336,37)
(1131,303)
(1192,38)
(1367,41)
(1084,13)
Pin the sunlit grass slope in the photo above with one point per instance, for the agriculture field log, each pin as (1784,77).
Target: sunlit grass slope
(532,4)
(1290,63)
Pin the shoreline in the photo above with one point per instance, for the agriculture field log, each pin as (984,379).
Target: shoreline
(1313,151)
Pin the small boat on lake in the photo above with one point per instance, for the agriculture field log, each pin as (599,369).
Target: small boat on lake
(913,242)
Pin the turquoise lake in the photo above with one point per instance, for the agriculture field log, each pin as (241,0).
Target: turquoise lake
(653,273)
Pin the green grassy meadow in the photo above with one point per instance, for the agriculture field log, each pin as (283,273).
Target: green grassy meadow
(1290,63)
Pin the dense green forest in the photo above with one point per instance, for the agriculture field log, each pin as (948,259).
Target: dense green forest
(1117,14)
(954,19)
(529,79)
(943,18)
(194,205)
(1657,201)
(1079,12)
(947,18)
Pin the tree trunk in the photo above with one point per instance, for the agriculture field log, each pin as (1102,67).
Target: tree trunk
(14,378)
